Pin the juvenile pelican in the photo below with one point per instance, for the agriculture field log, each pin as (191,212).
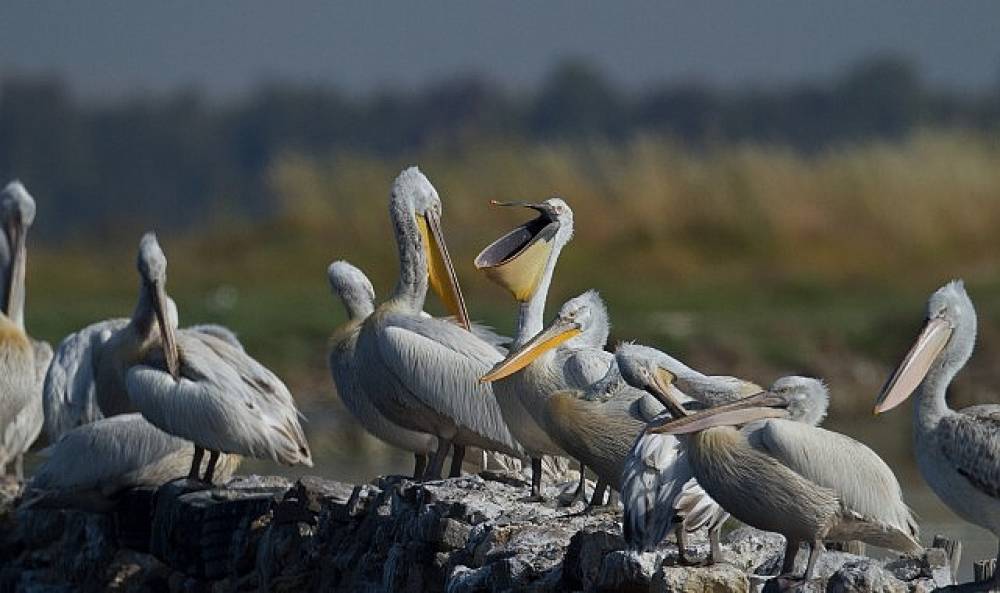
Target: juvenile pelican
(198,387)
(958,452)
(523,261)
(421,372)
(786,476)
(20,393)
(91,464)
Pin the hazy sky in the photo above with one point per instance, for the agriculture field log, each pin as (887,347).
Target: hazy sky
(106,48)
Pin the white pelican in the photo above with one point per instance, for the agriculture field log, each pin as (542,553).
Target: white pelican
(958,452)
(23,358)
(91,464)
(523,261)
(421,372)
(358,296)
(201,388)
(786,476)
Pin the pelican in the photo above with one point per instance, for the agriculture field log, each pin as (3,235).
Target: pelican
(421,372)
(781,474)
(658,489)
(91,464)
(198,387)
(957,451)
(523,261)
(23,359)
(358,296)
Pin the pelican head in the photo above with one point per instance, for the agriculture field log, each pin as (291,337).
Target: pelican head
(808,398)
(946,341)
(413,192)
(640,367)
(17,210)
(517,260)
(152,265)
(582,319)
(353,288)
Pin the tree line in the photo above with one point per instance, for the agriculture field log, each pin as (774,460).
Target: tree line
(186,159)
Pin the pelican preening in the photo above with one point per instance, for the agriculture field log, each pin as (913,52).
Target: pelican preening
(22,360)
(958,452)
(786,476)
(523,262)
(422,372)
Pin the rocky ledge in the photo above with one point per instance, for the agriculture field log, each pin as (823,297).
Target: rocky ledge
(469,534)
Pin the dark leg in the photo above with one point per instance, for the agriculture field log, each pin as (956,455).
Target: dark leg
(419,465)
(536,481)
(681,537)
(580,494)
(196,463)
(457,457)
(814,551)
(597,499)
(434,470)
(213,458)
(791,550)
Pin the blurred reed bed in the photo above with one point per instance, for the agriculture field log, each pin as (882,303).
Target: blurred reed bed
(745,259)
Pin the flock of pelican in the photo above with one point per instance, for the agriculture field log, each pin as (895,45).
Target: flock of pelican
(139,401)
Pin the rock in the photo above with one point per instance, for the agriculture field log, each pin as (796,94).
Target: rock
(464,535)
(720,578)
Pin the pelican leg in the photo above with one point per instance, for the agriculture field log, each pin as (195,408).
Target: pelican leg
(213,458)
(457,457)
(996,571)
(434,469)
(791,551)
(419,465)
(681,537)
(536,481)
(196,463)
(814,551)
(580,493)
(597,499)
(715,555)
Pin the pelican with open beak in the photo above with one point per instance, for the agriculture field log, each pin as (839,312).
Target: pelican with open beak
(780,474)
(422,372)
(523,261)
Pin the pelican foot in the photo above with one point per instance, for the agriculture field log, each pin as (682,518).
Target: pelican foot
(532,498)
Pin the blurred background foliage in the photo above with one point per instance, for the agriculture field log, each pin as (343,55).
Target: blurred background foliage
(752,232)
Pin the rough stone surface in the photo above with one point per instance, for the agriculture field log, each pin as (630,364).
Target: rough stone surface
(463,535)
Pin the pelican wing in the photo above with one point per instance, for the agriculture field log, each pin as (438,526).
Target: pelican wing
(440,363)
(653,478)
(863,482)
(583,367)
(224,401)
(970,439)
(68,396)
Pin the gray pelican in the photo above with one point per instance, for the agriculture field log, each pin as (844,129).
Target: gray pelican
(22,358)
(422,372)
(958,452)
(597,424)
(91,464)
(69,393)
(358,296)
(786,476)
(523,261)
(198,387)
(658,488)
